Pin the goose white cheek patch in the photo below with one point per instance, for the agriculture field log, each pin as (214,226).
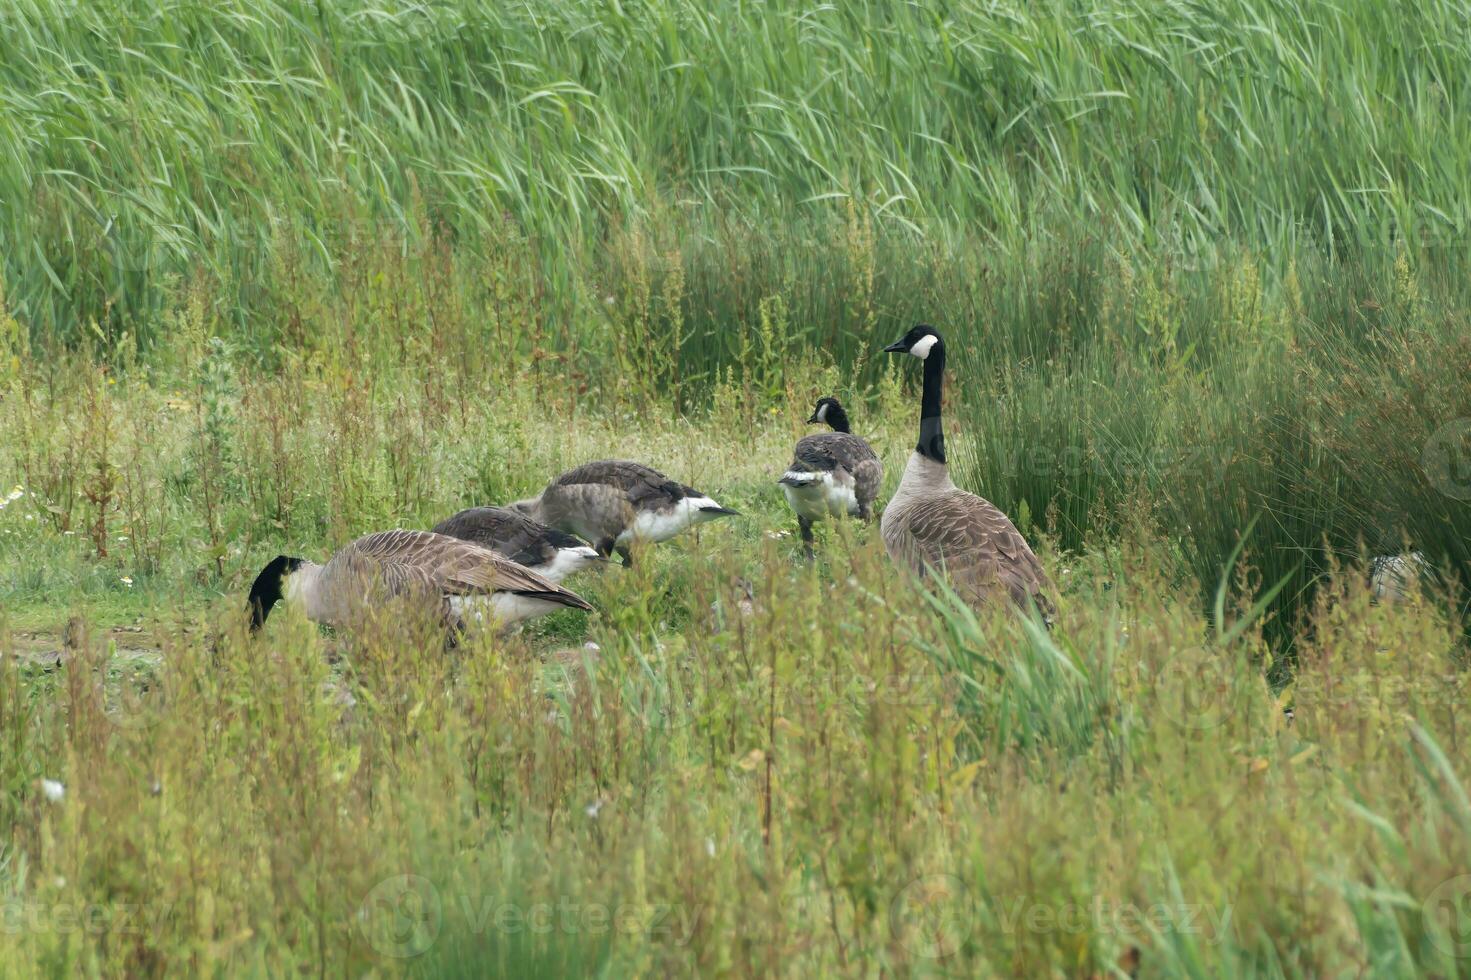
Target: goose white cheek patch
(921,348)
(822,413)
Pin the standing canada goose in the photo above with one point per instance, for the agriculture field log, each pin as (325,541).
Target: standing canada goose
(832,473)
(930,524)
(614,502)
(458,581)
(545,550)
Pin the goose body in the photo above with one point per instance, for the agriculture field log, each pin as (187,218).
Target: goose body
(1394,578)
(832,474)
(614,503)
(931,526)
(457,581)
(545,550)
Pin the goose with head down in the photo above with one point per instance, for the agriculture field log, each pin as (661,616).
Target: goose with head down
(545,550)
(614,503)
(458,582)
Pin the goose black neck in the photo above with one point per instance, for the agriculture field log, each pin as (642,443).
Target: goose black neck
(931,432)
(837,418)
(265,592)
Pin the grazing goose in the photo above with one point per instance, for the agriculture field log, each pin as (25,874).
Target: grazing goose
(832,473)
(456,580)
(932,524)
(545,550)
(614,502)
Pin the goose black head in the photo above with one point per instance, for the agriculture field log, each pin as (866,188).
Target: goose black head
(919,342)
(829,411)
(266,591)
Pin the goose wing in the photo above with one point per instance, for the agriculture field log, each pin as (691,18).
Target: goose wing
(644,486)
(977,546)
(423,560)
(848,457)
(830,450)
(518,537)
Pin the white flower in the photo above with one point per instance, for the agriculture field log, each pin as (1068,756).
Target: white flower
(710,846)
(127,580)
(53,790)
(592,808)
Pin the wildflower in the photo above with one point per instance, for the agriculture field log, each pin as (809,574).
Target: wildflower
(127,580)
(53,790)
(710,846)
(592,808)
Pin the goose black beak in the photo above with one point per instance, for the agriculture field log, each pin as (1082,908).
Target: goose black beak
(814,420)
(897,347)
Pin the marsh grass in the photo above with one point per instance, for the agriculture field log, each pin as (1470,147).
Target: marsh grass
(843,777)
(276,274)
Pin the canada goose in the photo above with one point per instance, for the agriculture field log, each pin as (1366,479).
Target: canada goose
(1394,578)
(614,502)
(545,550)
(832,473)
(459,581)
(932,524)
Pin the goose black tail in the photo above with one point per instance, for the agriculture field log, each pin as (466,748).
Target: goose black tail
(563,598)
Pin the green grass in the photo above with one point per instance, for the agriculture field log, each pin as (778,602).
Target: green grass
(854,778)
(276,274)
